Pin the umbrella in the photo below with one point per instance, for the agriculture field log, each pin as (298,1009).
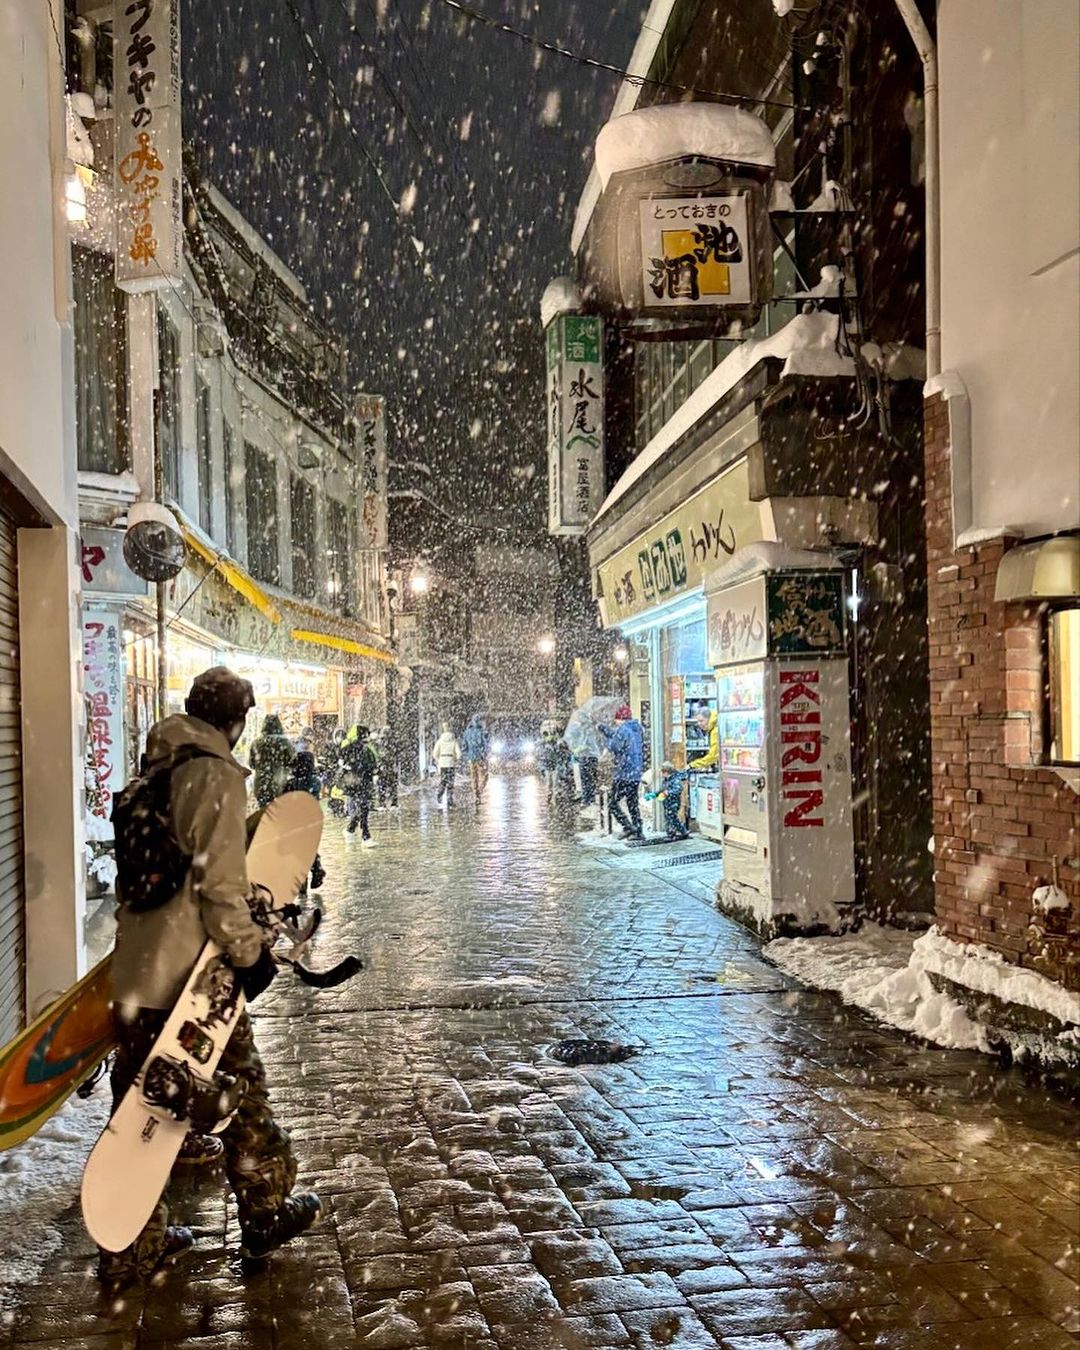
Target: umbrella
(582,732)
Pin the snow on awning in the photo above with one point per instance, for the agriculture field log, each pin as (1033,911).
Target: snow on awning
(677,130)
(1049,570)
(241,581)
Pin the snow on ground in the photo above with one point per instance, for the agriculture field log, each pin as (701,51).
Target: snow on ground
(39,1180)
(880,970)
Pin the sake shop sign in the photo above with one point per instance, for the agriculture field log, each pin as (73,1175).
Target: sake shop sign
(148,173)
(575,421)
(695,251)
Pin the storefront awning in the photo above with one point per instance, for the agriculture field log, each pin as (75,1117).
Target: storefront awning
(1048,570)
(340,644)
(231,572)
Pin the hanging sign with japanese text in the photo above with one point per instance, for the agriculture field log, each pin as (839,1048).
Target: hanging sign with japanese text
(148,172)
(575,422)
(371,448)
(104,570)
(695,251)
(673,557)
(103,691)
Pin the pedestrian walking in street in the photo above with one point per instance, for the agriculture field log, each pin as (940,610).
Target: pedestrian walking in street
(446,755)
(546,760)
(272,758)
(626,744)
(474,746)
(306,778)
(389,772)
(358,768)
(159,942)
(670,795)
(564,786)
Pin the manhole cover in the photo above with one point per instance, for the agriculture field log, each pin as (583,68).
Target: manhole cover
(574,1052)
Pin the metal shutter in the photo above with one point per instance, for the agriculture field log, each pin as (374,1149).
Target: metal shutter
(12,906)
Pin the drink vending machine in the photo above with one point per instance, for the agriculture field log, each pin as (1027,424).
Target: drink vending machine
(778,644)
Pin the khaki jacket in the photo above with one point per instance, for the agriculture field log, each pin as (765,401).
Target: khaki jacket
(155,951)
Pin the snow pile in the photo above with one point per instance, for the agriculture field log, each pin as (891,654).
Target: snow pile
(828,288)
(561,296)
(766,556)
(1047,898)
(882,971)
(987,972)
(39,1181)
(780,199)
(676,130)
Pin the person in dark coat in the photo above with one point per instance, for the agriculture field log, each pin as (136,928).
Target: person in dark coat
(272,758)
(306,778)
(359,764)
(389,752)
(627,746)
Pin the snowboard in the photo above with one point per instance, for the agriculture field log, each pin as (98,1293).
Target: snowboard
(130,1164)
(44,1064)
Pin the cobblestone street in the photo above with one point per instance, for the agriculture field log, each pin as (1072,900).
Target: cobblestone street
(771,1170)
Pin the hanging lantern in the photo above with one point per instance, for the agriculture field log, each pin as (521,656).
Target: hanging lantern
(681,232)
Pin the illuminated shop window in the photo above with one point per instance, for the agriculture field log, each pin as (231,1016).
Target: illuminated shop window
(1064,685)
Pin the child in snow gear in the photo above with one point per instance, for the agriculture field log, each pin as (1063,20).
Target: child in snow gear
(626,743)
(670,794)
(359,765)
(446,754)
(157,948)
(272,758)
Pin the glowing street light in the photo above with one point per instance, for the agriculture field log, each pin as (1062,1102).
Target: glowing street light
(419,584)
(621,654)
(546,646)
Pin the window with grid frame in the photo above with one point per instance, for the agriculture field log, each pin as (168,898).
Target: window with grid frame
(1063,684)
(100,333)
(339,580)
(206,451)
(168,405)
(260,498)
(302,534)
(233,479)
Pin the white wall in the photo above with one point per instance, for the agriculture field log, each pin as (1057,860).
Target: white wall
(1010,264)
(36,409)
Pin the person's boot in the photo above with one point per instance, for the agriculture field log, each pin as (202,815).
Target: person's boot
(199,1150)
(318,875)
(296,1216)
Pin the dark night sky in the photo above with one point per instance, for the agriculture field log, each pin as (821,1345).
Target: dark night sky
(494,155)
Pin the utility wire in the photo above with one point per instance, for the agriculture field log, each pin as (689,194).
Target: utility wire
(476,16)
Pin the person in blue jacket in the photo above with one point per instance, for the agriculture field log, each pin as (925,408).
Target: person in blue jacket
(627,750)
(474,748)
(670,792)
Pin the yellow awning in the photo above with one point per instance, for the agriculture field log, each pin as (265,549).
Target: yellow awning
(341,644)
(232,573)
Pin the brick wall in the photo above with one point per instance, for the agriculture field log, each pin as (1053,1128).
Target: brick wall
(1000,820)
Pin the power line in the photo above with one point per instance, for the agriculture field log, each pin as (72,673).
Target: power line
(476,16)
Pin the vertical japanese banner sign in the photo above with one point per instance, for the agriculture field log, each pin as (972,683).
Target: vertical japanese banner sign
(148,172)
(371,447)
(103,687)
(575,422)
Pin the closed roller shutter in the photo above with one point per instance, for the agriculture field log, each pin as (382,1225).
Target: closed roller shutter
(12,903)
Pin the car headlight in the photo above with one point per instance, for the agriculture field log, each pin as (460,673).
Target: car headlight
(528,749)
(497,747)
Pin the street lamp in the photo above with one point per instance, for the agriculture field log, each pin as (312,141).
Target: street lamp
(419,584)
(621,655)
(546,646)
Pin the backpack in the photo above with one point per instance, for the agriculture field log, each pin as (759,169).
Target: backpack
(151,867)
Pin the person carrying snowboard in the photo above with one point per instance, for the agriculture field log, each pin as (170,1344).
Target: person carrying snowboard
(182,878)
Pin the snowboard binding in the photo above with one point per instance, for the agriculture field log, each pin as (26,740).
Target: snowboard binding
(169,1085)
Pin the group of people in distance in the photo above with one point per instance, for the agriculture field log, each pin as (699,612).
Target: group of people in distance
(358,770)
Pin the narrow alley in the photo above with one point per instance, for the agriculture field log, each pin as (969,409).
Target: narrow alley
(769,1170)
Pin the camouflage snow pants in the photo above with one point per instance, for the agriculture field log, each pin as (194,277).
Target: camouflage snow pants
(259,1160)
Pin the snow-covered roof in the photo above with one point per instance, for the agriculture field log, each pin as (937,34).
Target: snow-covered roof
(766,556)
(672,130)
(561,296)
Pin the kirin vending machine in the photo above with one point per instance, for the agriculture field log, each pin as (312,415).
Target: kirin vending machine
(778,645)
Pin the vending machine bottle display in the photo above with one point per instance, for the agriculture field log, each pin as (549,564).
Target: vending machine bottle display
(778,646)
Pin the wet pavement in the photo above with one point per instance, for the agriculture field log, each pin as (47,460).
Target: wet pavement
(770,1170)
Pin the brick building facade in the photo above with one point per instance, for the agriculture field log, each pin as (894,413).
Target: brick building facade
(1003,823)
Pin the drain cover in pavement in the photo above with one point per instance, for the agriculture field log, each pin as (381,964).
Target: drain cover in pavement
(575,1052)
